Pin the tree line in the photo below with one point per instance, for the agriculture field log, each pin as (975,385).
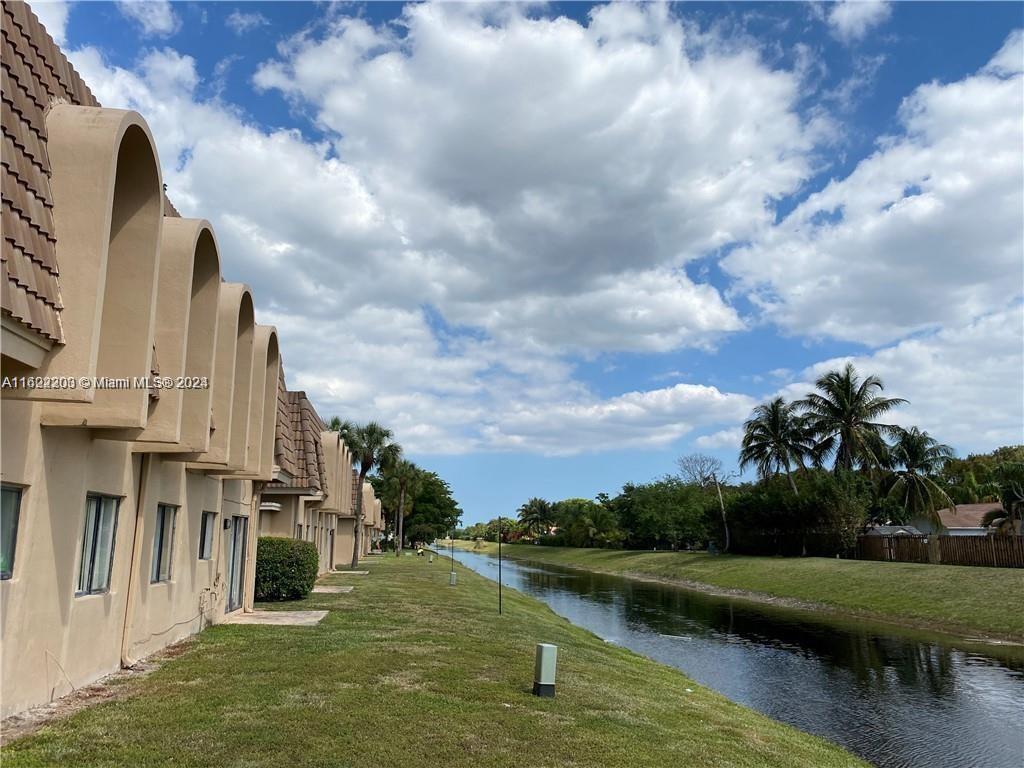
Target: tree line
(417,504)
(828,465)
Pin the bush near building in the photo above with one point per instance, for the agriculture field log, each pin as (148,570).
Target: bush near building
(285,568)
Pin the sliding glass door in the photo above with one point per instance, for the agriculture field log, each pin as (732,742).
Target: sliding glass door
(238,533)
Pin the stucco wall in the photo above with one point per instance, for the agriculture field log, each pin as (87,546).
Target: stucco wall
(282,521)
(193,598)
(51,639)
(343,539)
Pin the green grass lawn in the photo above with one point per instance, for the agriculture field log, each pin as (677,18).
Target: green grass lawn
(407,672)
(949,598)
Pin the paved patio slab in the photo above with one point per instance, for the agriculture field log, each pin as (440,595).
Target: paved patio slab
(278,618)
(331,590)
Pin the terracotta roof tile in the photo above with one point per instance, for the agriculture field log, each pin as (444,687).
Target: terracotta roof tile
(20,234)
(26,169)
(18,127)
(284,439)
(298,449)
(34,73)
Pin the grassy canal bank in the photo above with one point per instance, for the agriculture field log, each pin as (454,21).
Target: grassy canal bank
(407,671)
(959,600)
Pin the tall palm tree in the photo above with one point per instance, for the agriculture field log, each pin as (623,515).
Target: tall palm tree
(404,474)
(774,439)
(536,516)
(372,446)
(842,417)
(916,457)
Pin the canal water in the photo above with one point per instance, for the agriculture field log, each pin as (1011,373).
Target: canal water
(897,700)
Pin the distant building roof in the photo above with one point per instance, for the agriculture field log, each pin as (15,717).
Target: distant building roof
(967,515)
(298,449)
(894,530)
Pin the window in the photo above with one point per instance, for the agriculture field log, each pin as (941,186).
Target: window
(298,531)
(97,543)
(163,543)
(206,528)
(9,512)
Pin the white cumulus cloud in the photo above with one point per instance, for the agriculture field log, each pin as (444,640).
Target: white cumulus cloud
(563,172)
(154,17)
(928,231)
(851,20)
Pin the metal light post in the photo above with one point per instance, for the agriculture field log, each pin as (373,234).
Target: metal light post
(499,565)
(452,578)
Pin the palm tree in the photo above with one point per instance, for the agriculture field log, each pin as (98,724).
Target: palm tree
(774,439)
(916,457)
(594,526)
(970,491)
(536,516)
(372,446)
(841,417)
(405,475)
(1009,478)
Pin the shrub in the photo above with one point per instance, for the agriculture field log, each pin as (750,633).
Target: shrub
(553,540)
(824,520)
(285,568)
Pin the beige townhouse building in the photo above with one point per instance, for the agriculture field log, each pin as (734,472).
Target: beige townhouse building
(337,504)
(293,505)
(373,521)
(140,400)
(313,494)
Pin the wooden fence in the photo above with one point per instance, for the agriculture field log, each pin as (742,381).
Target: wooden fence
(893,549)
(994,551)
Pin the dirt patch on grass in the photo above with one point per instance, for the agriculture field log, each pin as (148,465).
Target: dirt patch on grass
(405,680)
(113,687)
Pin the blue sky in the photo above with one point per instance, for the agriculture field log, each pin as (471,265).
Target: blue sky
(557,246)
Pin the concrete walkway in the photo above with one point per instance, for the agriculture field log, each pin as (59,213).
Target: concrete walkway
(277,618)
(349,573)
(331,590)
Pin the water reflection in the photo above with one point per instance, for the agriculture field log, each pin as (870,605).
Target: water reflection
(898,701)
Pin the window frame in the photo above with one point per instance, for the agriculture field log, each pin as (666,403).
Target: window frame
(207,531)
(87,588)
(156,570)
(20,491)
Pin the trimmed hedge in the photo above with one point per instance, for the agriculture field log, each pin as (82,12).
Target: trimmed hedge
(285,568)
